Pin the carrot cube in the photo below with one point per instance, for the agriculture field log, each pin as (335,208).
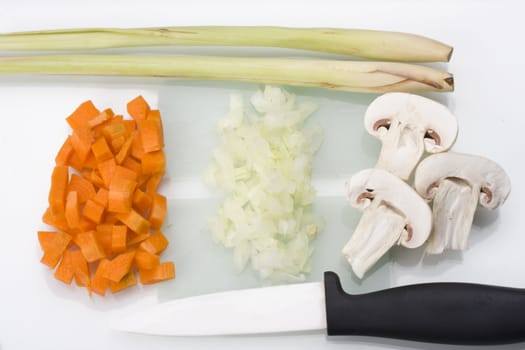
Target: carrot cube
(164,271)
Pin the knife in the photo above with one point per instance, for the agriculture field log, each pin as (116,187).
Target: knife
(452,313)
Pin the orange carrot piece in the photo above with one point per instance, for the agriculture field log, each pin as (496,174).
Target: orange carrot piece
(93,211)
(136,239)
(99,284)
(117,143)
(101,118)
(125,149)
(101,150)
(157,213)
(107,169)
(120,195)
(101,197)
(115,130)
(153,183)
(138,108)
(90,162)
(155,243)
(75,162)
(82,115)
(62,157)
(119,266)
(130,124)
(98,130)
(118,238)
(151,135)
(153,162)
(56,219)
(83,187)
(135,222)
(125,173)
(141,201)
(128,280)
(45,237)
(80,269)
(64,271)
(58,190)
(137,151)
(133,165)
(81,142)
(85,225)
(55,248)
(72,211)
(164,271)
(103,234)
(111,218)
(145,260)
(96,178)
(90,248)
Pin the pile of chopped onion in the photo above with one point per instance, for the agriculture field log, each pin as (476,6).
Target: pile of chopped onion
(263,162)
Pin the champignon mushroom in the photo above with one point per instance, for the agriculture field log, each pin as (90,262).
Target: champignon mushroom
(407,125)
(392,213)
(456,182)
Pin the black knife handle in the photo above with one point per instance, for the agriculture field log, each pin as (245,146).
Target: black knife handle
(451,313)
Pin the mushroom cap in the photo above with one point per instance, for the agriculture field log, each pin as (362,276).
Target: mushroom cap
(433,120)
(479,172)
(376,184)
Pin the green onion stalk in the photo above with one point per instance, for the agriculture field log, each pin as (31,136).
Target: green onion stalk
(370,44)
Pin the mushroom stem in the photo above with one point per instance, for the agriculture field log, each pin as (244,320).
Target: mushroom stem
(402,148)
(455,203)
(378,230)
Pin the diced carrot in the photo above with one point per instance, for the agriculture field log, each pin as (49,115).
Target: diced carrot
(145,260)
(58,190)
(142,201)
(64,271)
(119,266)
(99,284)
(125,149)
(56,219)
(83,187)
(164,271)
(151,135)
(155,243)
(82,115)
(137,151)
(103,234)
(117,143)
(102,197)
(157,213)
(93,211)
(45,237)
(85,225)
(138,108)
(62,157)
(101,150)
(101,118)
(127,281)
(98,130)
(132,164)
(89,246)
(81,142)
(153,183)
(154,114)
(107,169)
(72,211)
(130,124)
(111,218)
(125,173)
(55,248)
(136,239)
(80,269)
(75,162)
(118,238)
(120,195)
(135,222)
(153,162)
(96,178)
(115,130)
(90,162)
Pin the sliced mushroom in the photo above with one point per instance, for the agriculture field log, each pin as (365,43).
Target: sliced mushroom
(457,182)
(392,213)
(407,125)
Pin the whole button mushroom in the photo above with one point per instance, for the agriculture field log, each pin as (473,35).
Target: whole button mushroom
(407,125)
(393,213)
(456,182)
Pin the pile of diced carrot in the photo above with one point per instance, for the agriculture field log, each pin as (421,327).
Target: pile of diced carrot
(104,203)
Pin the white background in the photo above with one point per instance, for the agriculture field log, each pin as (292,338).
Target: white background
(37,312)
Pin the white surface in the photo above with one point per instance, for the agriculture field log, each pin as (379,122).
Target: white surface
(38,312)
(285,308)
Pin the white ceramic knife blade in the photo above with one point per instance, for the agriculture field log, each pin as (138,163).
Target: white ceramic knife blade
(250,311)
